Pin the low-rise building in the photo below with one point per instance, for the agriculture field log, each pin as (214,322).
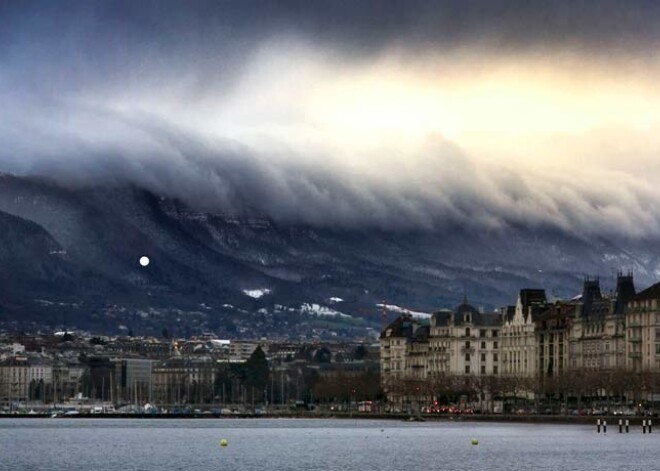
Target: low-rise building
(183,380)
(14,381)
(133,380)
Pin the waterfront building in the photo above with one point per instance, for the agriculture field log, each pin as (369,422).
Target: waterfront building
(14,381)
(464,341)
(643,330)
(519,349)
(133,380)
(394,341)
(598,334)
(553,334)
(183,380)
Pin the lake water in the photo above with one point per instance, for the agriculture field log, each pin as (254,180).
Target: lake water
(298,444)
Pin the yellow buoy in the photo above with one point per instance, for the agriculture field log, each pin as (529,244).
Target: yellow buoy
(224,442)
(475,441)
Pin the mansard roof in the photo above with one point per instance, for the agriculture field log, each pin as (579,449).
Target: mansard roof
(652,292)
(530,296)
(477,318)
(442,317)
(489,319)
(625,291)
(422,334)
(592,305)
(465,308)
(534,299)
(402,326)
(509,313)
(560,309)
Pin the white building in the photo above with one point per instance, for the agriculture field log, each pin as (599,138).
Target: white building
(519,345)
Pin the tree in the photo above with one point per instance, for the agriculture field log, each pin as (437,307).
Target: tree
(322,355)
(306,353)
(360,352)
(256,370)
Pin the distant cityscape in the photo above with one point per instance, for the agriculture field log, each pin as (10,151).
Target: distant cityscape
(595,353)
(69,373)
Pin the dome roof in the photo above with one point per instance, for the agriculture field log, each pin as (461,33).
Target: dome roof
(465,308)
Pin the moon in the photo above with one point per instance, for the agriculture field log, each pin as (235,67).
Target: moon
(144,261)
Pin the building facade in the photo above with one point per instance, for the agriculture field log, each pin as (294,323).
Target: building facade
(598,334)
(535,339)
(463,342)
(643,331)
(519,342)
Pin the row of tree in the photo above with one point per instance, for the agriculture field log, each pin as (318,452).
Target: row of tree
(577,389)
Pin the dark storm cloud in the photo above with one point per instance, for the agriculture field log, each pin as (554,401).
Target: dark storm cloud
(102,91)
(360,25)
(58,46)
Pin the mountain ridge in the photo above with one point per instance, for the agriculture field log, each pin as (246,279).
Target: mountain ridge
(201,258)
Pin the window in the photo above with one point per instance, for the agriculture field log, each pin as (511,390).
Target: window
(467,369)
(467,318)
(495,345)
(467,331)
(494,370)
(494,356)
(482,333)
(483,357)
(657,348)
(494,333)
(483,345)
(467,344)
(467,357)
(483,369)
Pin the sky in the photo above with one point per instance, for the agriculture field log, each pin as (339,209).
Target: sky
(384,114)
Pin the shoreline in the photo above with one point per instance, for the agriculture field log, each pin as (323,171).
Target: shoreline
(612,421)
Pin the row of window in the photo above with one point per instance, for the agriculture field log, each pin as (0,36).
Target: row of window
(483,357)
(482,333)
(483,345)
(483,369)
(443,346)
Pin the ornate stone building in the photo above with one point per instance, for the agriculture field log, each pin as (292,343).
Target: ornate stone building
(396,342)
(519,342)
(643,330)
(553,333)
(598,336)
(463,342)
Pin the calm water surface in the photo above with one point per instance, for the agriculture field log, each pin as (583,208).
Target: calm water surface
(345,445)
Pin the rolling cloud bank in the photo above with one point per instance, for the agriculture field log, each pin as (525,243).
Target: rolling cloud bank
(392,115)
